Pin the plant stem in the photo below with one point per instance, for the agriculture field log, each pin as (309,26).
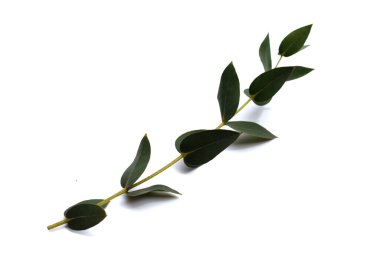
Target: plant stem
(244,105)
(121,192)
(167,166)
(57,224)
(278,61)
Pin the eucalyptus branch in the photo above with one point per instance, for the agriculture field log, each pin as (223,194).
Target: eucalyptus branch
(198,147)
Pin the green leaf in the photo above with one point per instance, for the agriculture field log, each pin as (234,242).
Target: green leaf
(246,92)
(201,147)
(90,201)
(266,85)
(137,167)
(183,136)
(84,216)
(229,93)
(299,71)
(262,103)
(294,41)
(265,54)
(252,129)
(150,189)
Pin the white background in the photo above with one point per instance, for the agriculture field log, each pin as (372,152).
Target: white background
(81,82)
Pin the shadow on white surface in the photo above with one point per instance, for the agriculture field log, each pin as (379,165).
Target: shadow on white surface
(255,114)
(183,169)
(80,232)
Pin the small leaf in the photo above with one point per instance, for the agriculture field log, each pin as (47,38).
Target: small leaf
(294,41)
(84,216)
(266,85)
(229,93)
(90,201)
(265,54)
(137,167)
(183,136)
(298,72)
(252,129)
(201,147)
(153,188)
(246,92)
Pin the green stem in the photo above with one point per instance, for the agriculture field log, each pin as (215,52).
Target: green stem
(167,166)
(57,224)
(278,62)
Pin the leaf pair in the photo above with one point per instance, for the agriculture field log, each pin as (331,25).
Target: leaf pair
(201,146)
(85,214)
(137,168)
(266,85)
(88,213)
(291,44)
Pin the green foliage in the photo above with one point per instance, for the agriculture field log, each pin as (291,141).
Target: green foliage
(294,41)
(251,128)
(183,136)
(198,147)
(90,201)
(265,54)
(203,146)
(229,93)
(266,85)
(154,188)
(299,71)
(84,216)
(137,167)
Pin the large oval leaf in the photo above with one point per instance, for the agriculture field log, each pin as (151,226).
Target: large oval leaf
(265,54)
(252,129)
(229,93)
(294,41)
(137,167)
(266,85)
(201,147)
(84,216)
(150,189)
(90,201)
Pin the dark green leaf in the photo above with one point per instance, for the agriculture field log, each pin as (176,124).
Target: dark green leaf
(137,167)
(229,93)
(298,72)
(84,216)
(90,201)
(183,136)
(252,129)
(246,92)
(201,147)
(150,189)
(265,54)
(261,103)
(266,85)
(294,41)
